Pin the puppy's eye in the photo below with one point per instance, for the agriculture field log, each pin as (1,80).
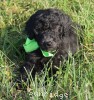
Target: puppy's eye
(61,35)
(46,25)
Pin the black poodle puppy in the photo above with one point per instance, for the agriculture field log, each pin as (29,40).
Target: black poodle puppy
(53,30)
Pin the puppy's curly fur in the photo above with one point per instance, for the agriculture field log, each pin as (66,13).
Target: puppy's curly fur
(53,30)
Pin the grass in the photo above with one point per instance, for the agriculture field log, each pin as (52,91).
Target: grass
(74,83)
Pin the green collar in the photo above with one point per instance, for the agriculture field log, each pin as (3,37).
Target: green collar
(32,45)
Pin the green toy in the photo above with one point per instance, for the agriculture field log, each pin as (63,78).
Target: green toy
(32,45)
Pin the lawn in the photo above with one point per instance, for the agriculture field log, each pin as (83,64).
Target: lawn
(74,83)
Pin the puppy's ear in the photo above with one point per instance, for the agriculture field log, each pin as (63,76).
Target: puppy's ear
(66,24)
(30,27)
(61,32)
(30,24)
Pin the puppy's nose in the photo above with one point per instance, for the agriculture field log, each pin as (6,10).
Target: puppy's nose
(48,43)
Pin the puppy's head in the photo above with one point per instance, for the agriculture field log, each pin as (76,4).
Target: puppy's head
(47,28)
